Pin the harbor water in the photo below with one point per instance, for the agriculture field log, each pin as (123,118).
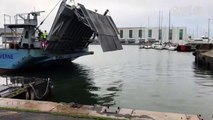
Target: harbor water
(156,80)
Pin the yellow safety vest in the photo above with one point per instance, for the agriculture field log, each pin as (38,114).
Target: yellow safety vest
(45,34)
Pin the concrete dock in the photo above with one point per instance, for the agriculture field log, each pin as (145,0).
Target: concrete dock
(88,111)
(18,115)
(204,55)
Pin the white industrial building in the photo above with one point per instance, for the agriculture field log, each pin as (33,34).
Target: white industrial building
(141,34)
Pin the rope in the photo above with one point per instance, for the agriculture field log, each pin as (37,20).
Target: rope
(47,87)
(48,14)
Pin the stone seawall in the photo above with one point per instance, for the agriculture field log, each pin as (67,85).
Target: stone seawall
(89,111)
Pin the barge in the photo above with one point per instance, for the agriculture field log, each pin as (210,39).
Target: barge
(73,29)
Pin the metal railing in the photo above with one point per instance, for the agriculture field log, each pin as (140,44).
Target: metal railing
(9,35)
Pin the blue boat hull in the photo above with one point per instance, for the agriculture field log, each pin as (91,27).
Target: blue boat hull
(11,59)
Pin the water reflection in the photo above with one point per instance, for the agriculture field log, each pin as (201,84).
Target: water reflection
(73,83)
(203,76)
(112,91)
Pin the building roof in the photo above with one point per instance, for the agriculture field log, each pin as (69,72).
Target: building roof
(149,27)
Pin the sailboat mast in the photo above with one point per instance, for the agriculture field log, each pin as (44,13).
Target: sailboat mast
(208,30)
(169,27)
(159,19)
(159,27)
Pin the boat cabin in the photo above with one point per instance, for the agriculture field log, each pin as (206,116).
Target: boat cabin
(23,33)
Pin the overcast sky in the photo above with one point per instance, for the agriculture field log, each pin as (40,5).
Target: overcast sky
(193,14)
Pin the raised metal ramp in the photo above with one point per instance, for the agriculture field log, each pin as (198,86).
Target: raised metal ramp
(74,27)
(105,29)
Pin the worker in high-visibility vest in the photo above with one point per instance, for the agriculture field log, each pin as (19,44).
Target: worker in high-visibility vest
(40,35)
(44,39)
(45,35)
